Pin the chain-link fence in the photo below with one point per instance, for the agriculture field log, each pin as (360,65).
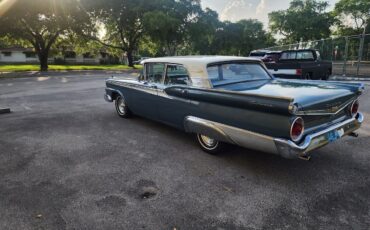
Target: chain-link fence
(350,55)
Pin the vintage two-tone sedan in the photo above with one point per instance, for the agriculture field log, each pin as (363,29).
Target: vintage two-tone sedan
(235,100)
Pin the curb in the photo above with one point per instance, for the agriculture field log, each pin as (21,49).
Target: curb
(4,110)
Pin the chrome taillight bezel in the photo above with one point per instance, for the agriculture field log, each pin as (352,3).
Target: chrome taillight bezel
(351,108)
(298,138)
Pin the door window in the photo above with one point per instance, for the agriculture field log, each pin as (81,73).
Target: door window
(288,55)
(154,72)
(305,55)
(176,75)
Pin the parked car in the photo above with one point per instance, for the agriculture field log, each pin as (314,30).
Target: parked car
(235,100)
(301,64)
(272,56)
(258,54)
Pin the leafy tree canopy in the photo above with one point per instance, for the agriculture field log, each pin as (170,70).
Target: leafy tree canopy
(241,37)
(357,10)
(122,21)
(170,22)
(304,19)
(41,22)
(201,36)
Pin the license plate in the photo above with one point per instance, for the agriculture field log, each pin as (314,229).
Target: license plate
(334,135)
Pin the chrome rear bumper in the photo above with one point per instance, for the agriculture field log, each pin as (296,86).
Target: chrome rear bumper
(289,149)
(283,147)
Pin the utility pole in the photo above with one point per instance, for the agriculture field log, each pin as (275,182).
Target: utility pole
(360,50)
(345,57)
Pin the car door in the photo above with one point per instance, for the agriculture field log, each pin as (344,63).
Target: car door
(173,110)
(145,96)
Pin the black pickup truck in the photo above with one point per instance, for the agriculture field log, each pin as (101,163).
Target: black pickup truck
(302,64)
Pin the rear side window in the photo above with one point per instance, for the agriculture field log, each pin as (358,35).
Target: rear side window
(176,75)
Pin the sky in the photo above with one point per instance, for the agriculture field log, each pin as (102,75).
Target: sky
(234,10)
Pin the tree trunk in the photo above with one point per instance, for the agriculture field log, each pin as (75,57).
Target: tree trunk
(171,49)
(130,58)
(43,58)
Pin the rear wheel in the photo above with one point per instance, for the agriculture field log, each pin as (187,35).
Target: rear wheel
(210,145)
(122,108)
(326,76)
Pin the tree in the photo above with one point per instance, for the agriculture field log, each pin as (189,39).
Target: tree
(170,21)
(202,32)
(304,19)
(40,23)
(357,10)
(122,21)
(241,37)
(253,36)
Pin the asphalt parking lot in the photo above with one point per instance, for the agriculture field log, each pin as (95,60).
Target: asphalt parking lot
(67,161)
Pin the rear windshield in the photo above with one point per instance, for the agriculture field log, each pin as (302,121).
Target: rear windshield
(229,73)
(299,55)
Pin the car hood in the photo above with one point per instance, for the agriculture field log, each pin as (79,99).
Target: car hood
(307,95)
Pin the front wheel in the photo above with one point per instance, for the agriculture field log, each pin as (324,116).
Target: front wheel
(122,108)
(210,145)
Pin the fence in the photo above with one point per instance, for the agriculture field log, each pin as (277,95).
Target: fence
(350,55)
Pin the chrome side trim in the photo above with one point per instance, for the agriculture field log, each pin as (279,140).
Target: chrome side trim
(230,134)
(283,147)
(147,88)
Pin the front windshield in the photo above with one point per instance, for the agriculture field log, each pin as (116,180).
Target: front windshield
(229,73)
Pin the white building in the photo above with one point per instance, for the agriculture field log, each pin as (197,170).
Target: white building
(27,55)
(18,55)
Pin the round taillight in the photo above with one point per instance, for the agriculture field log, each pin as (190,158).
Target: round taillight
(297,128)
(354,108)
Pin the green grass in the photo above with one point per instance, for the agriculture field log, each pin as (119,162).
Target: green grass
(21,68)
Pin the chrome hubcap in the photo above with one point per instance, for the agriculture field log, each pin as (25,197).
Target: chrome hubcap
(209,142)
(121,106)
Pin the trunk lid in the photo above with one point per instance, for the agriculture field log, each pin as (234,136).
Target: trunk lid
(309,96)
